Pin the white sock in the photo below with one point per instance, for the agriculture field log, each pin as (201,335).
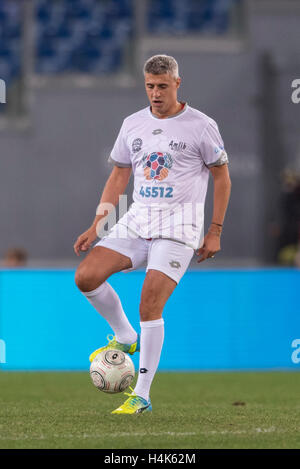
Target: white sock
(152,338)
(106,301)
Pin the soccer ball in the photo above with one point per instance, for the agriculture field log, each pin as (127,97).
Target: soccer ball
(112,371)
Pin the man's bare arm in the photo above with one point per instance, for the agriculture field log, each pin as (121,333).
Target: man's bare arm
(222,189)
(114,187)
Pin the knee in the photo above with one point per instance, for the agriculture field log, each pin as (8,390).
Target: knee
(86,280)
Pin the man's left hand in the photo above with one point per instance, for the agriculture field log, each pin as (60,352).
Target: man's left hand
(211,245)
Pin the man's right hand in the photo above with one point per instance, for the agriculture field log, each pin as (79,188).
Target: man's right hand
(84,241)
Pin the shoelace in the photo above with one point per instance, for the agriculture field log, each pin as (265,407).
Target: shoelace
(111,340)
(132,398)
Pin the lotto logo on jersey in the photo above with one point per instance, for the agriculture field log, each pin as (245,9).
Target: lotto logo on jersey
(156,165)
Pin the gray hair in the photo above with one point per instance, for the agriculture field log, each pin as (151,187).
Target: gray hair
(160,64)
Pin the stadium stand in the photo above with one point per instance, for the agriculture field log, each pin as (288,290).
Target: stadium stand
(82,36)
(189,17)
(10,33)
(88,36)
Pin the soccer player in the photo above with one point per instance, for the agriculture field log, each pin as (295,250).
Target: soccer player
(171,149)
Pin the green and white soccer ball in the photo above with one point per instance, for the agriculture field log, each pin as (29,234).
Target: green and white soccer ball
(112,371)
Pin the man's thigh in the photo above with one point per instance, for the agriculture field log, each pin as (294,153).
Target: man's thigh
(130,246)
(98,265)
(170,257)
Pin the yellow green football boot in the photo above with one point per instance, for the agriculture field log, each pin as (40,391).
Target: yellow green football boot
(133,405)
(114,345)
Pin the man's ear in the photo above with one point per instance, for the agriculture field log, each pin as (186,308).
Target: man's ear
(178,82)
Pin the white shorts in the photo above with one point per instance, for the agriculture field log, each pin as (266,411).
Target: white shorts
(168,256)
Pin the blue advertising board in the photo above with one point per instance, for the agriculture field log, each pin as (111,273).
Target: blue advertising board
(215,320)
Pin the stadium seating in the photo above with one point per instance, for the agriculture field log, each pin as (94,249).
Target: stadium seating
(192,16)
(88,36)
(85,36)
(10,32)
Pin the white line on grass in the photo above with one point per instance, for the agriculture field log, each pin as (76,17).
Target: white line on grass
(94,435)
(144,434)
(240,432)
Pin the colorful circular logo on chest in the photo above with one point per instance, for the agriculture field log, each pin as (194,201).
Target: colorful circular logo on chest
(156,165)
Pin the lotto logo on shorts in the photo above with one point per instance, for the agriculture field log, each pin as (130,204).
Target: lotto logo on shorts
(156,165)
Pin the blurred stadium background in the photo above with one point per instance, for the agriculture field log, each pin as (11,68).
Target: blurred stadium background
(73,71)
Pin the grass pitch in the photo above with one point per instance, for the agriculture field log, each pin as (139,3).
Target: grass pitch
(190,410)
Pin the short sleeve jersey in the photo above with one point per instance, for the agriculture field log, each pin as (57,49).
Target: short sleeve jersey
(170,160)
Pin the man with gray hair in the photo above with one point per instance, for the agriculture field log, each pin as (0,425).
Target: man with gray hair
(161,64)
(171,149)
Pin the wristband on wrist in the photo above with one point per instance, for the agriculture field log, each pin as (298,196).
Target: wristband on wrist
(218,224)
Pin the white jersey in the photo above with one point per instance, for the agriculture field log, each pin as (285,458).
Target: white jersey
(170,159)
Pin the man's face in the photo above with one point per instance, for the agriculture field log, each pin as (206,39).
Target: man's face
(161,91)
